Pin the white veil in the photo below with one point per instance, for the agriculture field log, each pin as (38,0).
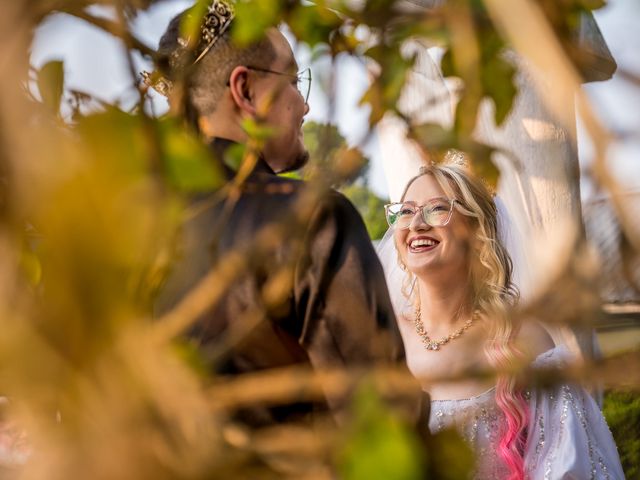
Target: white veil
(427,98)
(538,198)
(395,276)
(537,203)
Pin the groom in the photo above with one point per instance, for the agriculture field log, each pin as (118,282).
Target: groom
(308,288)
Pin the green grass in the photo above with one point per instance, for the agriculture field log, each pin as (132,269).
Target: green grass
(622,410)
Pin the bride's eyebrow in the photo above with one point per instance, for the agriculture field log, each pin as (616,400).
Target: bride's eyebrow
(438,198)
(431,200)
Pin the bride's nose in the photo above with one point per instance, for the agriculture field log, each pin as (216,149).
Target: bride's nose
(418,223)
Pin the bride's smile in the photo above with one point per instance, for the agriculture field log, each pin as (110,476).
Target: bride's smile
(422,243)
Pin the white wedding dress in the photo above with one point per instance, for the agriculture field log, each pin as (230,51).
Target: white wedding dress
(567,437)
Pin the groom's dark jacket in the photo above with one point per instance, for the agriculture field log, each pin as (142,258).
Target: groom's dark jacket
(311,289)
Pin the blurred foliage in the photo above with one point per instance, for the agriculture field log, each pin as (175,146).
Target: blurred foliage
(448,456)
(51,84)
(383,95)
(331,160)
(370,206)
(376,436)
(91,204)
(329,157)
(622,410)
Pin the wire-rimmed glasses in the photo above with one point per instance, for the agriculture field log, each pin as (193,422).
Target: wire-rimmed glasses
(436,212)
(303,77)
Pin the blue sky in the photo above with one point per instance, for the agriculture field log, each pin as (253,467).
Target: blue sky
(94,62)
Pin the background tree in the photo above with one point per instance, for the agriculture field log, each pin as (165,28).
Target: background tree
(329,156)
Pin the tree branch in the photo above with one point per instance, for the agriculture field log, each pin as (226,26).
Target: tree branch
(115,29)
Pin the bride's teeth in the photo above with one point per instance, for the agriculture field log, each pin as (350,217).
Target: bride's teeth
(422,243)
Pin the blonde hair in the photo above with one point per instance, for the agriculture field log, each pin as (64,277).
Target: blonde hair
(493,294)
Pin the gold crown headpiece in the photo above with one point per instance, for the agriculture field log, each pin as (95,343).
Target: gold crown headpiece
(455,157)
(451,157)
(215,23)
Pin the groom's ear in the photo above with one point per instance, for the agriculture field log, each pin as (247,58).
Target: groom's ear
(241,90)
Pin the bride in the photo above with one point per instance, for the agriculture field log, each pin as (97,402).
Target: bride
(450,280)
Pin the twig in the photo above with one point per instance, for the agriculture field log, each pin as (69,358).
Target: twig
(292,384)
(115,29)
(283,385)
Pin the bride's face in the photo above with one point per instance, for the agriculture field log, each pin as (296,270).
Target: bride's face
(428,250)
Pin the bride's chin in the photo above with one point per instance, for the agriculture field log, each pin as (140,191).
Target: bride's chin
(420,269)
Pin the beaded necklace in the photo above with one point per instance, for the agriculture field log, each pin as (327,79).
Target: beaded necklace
(430,344)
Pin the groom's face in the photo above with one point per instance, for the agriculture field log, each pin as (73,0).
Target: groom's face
(427,250)
(285,150)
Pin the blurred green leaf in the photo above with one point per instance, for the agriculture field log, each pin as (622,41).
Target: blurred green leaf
(422,27)
(295,175)
(394,71)
(322,140)
(370,206)
(438,140)
(188,162)
(126,143)
(330,158)
(234,155)
(385,90)
(484,167)
(257,131)
(51,84)
(313,24)
(253,19)
(117,141)
(497,73)
(434,136)
(448,456)
(498,79)
(190,26)
(593,4)
(345,41)
(377,13)
(378,445)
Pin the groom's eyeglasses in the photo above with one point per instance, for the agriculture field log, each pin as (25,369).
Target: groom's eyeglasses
(303,79)
(436,212)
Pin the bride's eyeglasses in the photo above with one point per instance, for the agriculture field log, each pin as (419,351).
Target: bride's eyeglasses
(436,212)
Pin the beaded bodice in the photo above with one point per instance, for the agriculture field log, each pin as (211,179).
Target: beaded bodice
(479,421)
(566,434)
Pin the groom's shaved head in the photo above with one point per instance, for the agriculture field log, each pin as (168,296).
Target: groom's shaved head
(206,81)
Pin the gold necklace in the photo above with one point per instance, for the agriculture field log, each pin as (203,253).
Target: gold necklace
(430,344)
